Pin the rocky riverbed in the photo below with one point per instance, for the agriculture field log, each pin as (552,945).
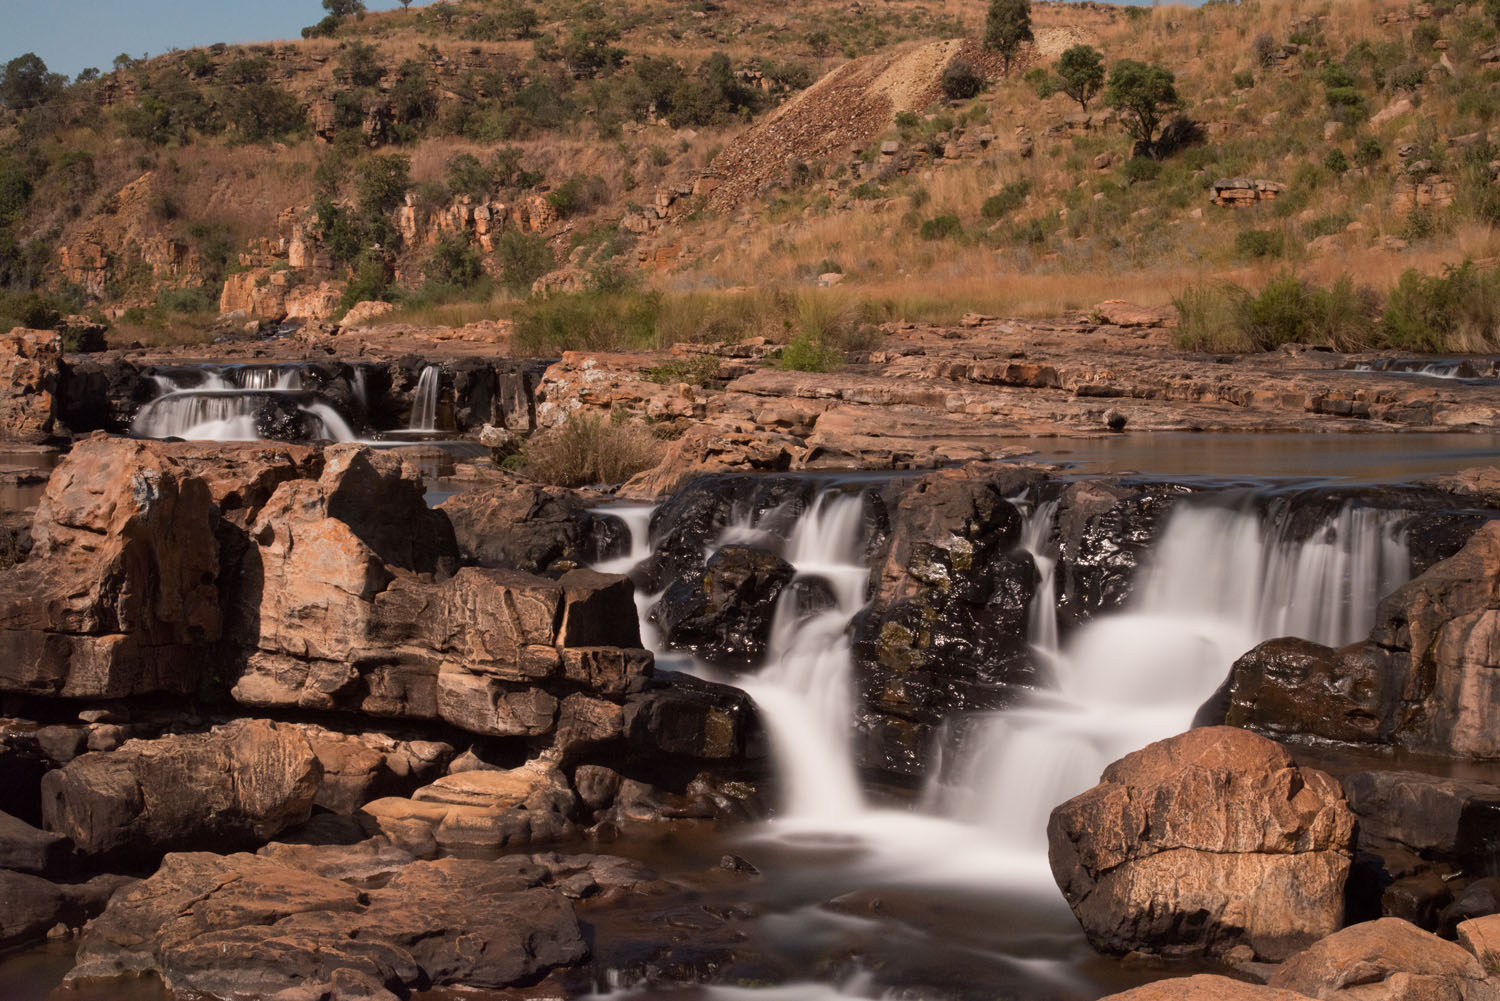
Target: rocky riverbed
(276,726)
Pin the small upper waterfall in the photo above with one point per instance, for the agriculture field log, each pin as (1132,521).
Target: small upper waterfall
(231,415)
(425,401)
(1042,617)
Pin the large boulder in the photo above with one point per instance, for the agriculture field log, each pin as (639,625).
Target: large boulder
(240,783)
(1204,842)
(248,926)
(119,595)
(1387,958)
(30,376)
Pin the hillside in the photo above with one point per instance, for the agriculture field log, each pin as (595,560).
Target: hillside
(455,157)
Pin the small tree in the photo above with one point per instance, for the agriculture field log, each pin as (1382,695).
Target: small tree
(1081,70)
(1007,25)
(1143,94)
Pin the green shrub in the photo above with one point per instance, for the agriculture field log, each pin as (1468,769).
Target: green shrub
(1227,317)
(1336,162)
(523,258)
(1257,243)
(454,262)
(700,370)
(941,227)
(1326,225)
(1244,80)
(1457,311)
(1140,169)
(808,354)
(1006,201)
(961,81)
(578,194)
(1367,151)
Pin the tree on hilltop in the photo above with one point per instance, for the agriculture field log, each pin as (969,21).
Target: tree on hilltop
(344,8)
(1143,93)
(1081,70)
(1007,25)
(26,82)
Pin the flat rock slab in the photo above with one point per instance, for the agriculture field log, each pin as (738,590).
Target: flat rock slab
(250,926)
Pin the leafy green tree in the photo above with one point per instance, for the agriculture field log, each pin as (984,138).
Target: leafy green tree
(1081,70)
(1142,93)
(360,65)
(1007,25)
(467,176)
(381,183)
(344,8)
(27,82)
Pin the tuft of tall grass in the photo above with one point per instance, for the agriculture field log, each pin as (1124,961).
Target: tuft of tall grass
(590,449)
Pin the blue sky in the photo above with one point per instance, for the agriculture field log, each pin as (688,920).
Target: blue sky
(72,34)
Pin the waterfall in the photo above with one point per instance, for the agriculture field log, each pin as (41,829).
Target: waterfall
(805,688)
(361,389)
(1218,583)
(425,401)
(1041,626)
(226,415)
(267,377)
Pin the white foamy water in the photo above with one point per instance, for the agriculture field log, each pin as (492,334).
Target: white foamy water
(425,401)
(225,415)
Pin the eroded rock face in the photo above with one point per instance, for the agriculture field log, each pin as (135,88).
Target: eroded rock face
(30,373)
(242,782)
(244,925)
(119,595)
(1205,987)
(529,526)
(1203,842)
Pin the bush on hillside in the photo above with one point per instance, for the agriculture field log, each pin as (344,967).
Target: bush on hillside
(1457,311)
(961,81)
(522,258)
(1006,200)
(941,227)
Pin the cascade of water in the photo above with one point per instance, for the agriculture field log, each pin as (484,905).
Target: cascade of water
(637,519)
(267,377)
(1217,584)
(425,401)
(361,389)
(805,688)
(225,415)
(1042,616)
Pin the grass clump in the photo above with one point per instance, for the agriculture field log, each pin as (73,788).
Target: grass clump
(1289,310)
(699,371)
(805,353)
(589,449)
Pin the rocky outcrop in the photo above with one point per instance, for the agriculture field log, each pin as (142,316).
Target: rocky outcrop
(946,631)
(30,374)
(240,783)
(119,596)
(725,615)
(1205,987)
(244,925)
(1384,958)
(1425,679)
(1204,842)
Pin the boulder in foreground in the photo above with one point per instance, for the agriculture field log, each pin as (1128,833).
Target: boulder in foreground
(1203,842)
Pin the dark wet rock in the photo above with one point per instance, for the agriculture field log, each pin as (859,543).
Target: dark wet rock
(24,848)
(1453,820)
(31,906)
(1202,843)
(946,631)
(725,615)
(1480,899)
(102,395)
(1104,530)
(238,925)
(1286,687)
(685,717)
(240,783)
